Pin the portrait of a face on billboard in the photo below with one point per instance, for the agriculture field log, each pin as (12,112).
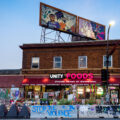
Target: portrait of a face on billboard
(91,29)
(54,18)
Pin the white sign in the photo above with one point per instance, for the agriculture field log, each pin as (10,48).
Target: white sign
(56,76)
(70,97)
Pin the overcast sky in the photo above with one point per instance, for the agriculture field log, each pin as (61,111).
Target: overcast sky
(19,23)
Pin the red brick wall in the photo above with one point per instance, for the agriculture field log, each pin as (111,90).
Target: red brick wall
(69,59)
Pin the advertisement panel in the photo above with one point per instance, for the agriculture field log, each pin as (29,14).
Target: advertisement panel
(53,111)
(14,93)
(91,29)
(57,19)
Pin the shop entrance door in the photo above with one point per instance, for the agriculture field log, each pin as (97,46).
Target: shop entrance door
(114,96)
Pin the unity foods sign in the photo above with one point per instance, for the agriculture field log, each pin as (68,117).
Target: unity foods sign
(72,76)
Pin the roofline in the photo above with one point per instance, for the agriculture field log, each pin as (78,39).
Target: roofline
(69,44)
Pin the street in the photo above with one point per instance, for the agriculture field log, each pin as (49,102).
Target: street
(67,119)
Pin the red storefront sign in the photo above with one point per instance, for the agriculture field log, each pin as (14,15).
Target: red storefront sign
(114,80)
(47,81)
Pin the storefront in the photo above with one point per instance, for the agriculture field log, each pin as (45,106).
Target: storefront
(87,91)
(11,88)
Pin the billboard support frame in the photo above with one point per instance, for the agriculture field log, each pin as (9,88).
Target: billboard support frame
(57,36)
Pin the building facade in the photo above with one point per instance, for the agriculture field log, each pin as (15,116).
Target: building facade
(62,70)
(10,85)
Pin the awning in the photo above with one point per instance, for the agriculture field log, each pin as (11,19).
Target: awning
(47,81)
(37,80)
(114,80)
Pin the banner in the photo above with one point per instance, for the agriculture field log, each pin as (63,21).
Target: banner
(53,111)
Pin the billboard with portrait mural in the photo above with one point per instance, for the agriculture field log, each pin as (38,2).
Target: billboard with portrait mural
(91,29)
(57,19)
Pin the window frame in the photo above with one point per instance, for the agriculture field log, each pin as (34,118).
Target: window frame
(79,62)
(38,62)
(58,62)
(111,61)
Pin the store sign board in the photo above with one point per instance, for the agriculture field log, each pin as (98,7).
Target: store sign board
(71,76)
(53,111)
(56,76)
(65,79)
(79,76)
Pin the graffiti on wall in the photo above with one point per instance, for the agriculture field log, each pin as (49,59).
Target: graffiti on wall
(4,93)
(53,111)
(96,111)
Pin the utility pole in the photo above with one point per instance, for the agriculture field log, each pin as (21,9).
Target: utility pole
(107,63)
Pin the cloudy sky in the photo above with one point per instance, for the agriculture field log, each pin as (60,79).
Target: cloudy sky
(19,23)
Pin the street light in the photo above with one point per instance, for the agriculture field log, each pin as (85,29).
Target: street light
(111,23)
(107,58)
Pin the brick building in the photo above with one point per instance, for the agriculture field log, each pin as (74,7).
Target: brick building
(10,85)
(87,57)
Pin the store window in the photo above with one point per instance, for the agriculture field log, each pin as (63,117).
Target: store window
(109,63)
(87,93)
(80,92)
(33,92)
(57,62)
(35,63)
(100,92)
(82,61)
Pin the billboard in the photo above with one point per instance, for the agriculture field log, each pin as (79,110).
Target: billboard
(57,19)
(91,29)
